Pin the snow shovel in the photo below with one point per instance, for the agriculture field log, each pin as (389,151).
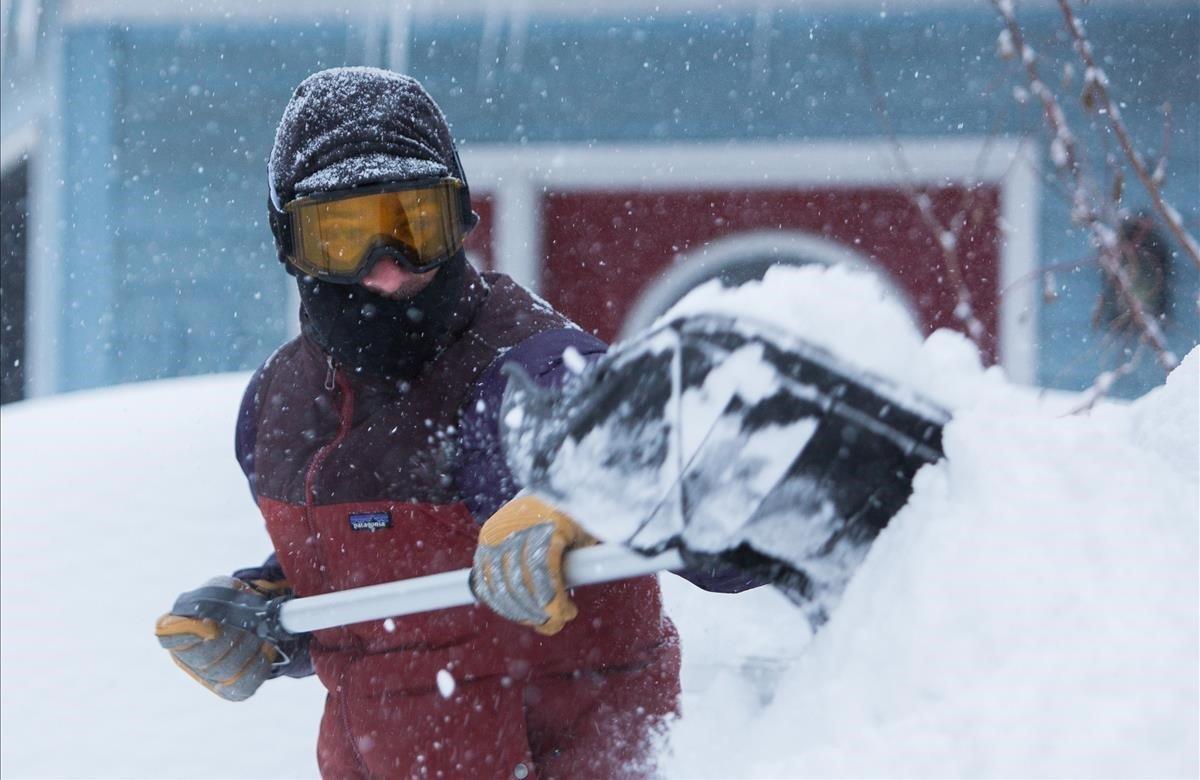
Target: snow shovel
(732,441)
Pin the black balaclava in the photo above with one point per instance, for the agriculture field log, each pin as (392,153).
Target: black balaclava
(389,338)
(348,127)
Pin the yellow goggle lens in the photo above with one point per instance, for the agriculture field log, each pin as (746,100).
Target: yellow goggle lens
(335,237)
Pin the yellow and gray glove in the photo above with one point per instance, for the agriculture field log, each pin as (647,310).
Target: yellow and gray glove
(518,569)
(230,660)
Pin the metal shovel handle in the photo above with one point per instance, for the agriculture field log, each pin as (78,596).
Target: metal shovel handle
(586,566)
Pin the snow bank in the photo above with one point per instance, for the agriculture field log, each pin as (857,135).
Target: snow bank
(1033,610)
(111,503)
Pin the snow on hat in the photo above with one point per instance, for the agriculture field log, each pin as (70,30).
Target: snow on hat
(346,127)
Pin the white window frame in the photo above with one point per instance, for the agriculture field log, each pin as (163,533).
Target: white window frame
(749,248)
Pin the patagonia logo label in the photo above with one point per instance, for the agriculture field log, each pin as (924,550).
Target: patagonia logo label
(369,521)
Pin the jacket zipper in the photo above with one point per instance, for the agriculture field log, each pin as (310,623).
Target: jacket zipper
(333,379)
(330,372)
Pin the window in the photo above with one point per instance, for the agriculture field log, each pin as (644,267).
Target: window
(1146,258)
(14,200)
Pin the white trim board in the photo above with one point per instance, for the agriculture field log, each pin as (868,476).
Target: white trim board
(84,11)
(17,144)
(1020,201)
(742,163)
(44,281)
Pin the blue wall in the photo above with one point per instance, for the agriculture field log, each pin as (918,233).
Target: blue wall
(170,263)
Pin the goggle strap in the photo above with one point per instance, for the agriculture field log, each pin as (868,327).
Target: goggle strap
(464,194)
(467,216)
(281,226)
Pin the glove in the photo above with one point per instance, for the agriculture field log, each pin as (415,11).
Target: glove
(518,569)
(229,660)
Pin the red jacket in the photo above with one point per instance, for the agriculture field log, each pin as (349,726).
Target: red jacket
(361,482)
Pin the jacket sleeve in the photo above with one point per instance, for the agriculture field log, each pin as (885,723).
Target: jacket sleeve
(299,663)
(247,431)
(485,479)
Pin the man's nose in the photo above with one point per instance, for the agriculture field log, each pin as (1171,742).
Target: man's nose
(386,277)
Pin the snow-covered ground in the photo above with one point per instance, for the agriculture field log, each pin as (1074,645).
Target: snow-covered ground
(111,502)
(1033,611)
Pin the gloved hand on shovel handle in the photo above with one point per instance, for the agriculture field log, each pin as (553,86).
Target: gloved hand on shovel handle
(518,569)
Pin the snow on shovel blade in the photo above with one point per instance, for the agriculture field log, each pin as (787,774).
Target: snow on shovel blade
(732,441)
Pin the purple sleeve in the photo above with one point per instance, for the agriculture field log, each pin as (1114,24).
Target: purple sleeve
(726,579)
(247,431)
(243,444)
(300,663)
(485,479)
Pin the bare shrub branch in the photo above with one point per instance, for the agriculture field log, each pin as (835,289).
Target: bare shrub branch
(1096,85)
(1099,213)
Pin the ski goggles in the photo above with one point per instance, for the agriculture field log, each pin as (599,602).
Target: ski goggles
(339,236)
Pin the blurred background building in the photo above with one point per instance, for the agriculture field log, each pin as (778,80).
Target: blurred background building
(619,153)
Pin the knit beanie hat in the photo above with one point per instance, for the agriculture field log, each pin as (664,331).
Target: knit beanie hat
(346,127)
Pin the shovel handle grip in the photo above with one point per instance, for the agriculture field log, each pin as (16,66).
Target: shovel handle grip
(585,566)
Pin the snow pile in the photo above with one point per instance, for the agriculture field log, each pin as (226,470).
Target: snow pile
(848,312)
(112,502)
(1033,610)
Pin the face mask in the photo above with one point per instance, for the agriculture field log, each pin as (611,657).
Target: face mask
(379,336)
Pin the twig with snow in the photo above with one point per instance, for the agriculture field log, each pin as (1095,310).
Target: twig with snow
(1096,85)
(1088,206)
(1104,382)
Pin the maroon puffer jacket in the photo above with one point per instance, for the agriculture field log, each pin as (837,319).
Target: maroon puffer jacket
(359,482)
